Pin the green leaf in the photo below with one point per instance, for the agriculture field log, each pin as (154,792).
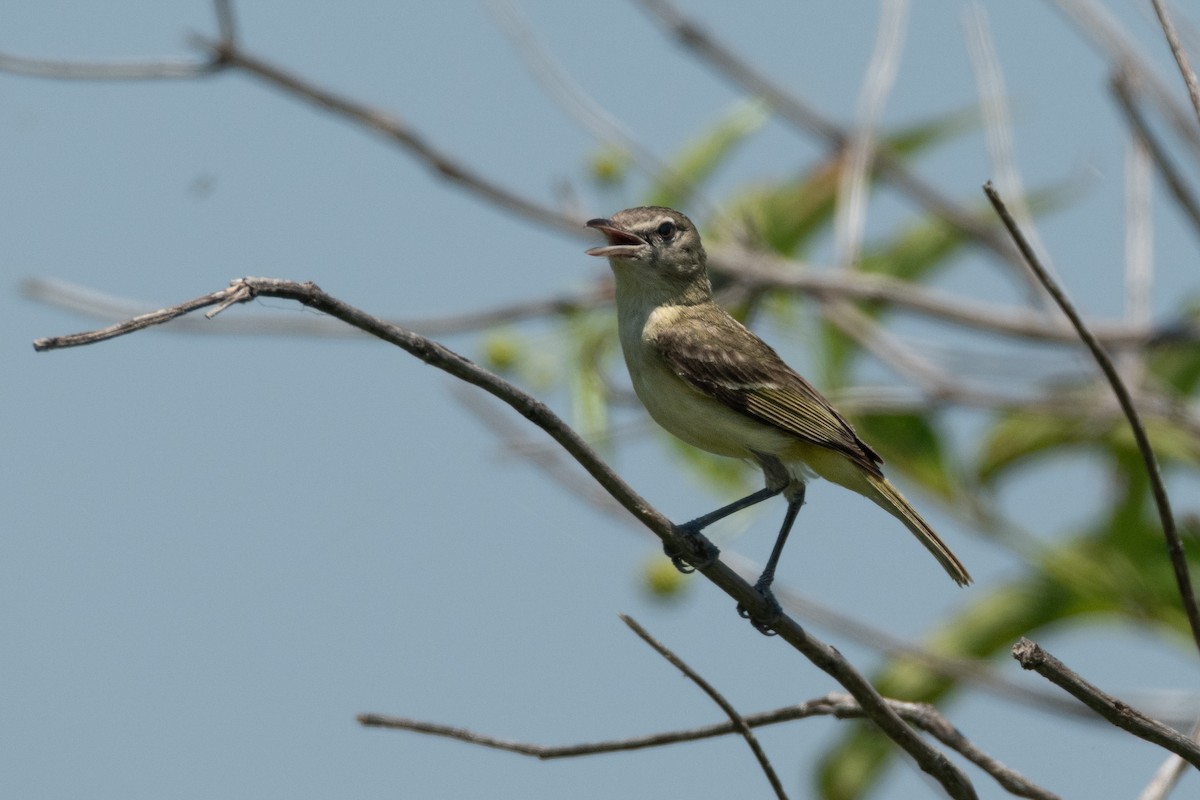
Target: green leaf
(783,217)
(786,215)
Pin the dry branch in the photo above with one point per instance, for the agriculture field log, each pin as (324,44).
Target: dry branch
(1118,712)
(1181,58)
(1175,549)
(739,724)
(839,706)
(820,654)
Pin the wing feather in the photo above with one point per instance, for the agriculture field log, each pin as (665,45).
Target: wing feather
(723,359)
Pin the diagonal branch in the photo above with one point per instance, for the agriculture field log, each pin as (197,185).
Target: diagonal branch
(1097,24)
(1175,549)
(739,724)
(1181,58)
(1122,89)
(1118,712)
(826,658)
(227,54)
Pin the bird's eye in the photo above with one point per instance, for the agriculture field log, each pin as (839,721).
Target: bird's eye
(667,229)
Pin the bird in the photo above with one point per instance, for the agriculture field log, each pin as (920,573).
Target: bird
(710,381)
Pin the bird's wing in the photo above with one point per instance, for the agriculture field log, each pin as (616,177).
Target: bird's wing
(725,360)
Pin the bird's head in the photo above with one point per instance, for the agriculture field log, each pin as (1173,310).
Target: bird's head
(655,243)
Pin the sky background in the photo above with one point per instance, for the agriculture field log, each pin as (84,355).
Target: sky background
(216,551)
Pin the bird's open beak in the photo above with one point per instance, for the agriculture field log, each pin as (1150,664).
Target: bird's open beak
(621,243)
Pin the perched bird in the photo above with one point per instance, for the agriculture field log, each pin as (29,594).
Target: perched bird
(708,380)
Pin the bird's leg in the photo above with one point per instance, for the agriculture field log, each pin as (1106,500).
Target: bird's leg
(700,523)
(763,584)
(703,552)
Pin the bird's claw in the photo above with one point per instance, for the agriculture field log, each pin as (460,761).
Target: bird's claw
(698,551)
(763,624)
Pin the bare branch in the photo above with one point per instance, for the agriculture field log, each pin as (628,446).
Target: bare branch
(226,21)
(132,70)
(763,271)
(1119,713)
(1176,183)
(839,706)
(1181,58)
(596,119)
(728,580)
(1098,25)
(735,718)
(109,308)
(397,131)
(1175,549)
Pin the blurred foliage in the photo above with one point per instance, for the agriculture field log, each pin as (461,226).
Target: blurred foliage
(662,580)
(1112,566)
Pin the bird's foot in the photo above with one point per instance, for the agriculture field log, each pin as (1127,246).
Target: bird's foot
(763,623)
(698,552)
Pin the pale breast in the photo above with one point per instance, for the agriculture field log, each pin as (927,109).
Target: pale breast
(688,413)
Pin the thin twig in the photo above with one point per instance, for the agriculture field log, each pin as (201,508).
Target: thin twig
(1175,549)
(1098,25)
(1118,712)
(766,271)
(396,130)
(226,21)
(1170,173)
(131,70)
(839,706)
(735,718)
(110,308)
(826,658)
(1181,58)
(1167,776)
(582,108)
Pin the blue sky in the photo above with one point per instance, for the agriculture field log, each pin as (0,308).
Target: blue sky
(218,550)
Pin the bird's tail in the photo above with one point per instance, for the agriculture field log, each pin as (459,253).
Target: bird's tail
(888,498)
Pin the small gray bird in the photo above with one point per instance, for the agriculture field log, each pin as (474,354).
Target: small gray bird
(707,379)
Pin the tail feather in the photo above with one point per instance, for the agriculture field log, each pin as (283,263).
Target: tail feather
(887,497)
